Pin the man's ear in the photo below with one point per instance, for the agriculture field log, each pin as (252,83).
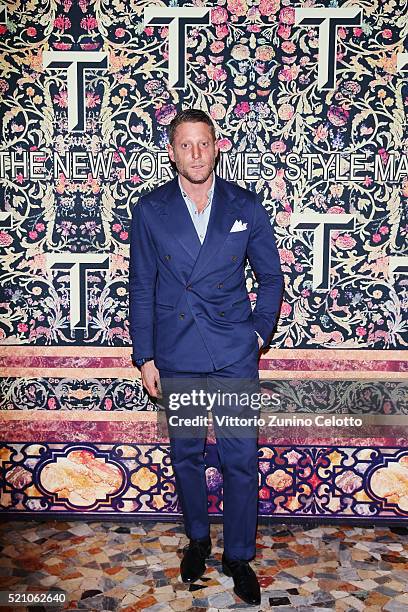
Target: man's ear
(170,152)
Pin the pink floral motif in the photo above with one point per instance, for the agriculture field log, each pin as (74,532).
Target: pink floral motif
(278,146)
(61,99)
(268,7)
(320,133)
(286,111)
(3,86)
(217,46)
(283,219)
(62,23)
(216,73)
(338,116)
(92,99)
(237,7)
(221,31)
(286,256)
(219,15)
(264,53)
(165,114)
(89,23)
(286,309)
(242,109)
(383,154)
(289,74)
(240,52)
(217,111)
(224,144)
(288,46)
(284,31)
(62,46)
(345,242)
(287,15)
(5,239)
(278,186)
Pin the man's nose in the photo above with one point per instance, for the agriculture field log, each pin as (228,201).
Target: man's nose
(196,151)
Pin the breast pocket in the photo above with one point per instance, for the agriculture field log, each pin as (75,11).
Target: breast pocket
(235,236)
(234,248)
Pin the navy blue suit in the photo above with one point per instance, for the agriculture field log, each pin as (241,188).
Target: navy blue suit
(189,309)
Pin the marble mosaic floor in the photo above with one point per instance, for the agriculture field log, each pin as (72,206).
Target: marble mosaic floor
(134,566)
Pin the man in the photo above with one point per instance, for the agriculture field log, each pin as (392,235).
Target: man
(191,320)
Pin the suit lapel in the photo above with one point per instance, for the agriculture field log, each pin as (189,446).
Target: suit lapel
(224,209)
(177,220)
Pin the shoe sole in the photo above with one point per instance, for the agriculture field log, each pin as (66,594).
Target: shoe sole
(191,580)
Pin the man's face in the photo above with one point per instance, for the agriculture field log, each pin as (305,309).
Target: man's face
(194,151)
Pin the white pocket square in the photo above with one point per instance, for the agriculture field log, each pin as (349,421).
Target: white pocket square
(238,226)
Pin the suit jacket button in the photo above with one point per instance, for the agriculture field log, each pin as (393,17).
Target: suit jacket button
(222,313)
(168,257)
(234,257)
(189,287)
(182,315)
(220,285)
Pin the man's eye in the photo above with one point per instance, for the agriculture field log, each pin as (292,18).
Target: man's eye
(204,144)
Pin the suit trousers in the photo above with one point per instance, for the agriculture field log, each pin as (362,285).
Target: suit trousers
(235,425)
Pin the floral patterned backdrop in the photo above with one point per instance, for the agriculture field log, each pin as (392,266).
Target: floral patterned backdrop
(254,70)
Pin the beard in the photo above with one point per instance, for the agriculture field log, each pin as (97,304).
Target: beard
(199,176)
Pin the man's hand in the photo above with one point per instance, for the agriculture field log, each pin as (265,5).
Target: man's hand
(151,379)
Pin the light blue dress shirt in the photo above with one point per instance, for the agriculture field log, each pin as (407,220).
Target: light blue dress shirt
(200,219)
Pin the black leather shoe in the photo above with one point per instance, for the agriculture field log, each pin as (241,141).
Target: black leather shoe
(246,584)
(192,566)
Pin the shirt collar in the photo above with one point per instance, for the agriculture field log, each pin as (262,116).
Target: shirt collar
(210,192)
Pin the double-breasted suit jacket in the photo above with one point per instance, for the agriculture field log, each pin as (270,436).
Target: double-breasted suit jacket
(189,307)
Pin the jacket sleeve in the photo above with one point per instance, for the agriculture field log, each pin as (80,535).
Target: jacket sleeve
(264,259)
(142,283)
